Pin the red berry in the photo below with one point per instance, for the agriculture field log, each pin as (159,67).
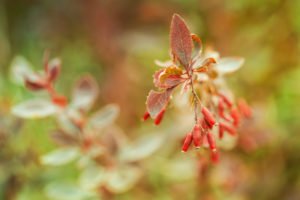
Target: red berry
(208,116)
(146,116)
(187,142)
(211,141)
(159,117)
(197,136)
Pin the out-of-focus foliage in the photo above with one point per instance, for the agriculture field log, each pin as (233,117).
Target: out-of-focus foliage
(117,41)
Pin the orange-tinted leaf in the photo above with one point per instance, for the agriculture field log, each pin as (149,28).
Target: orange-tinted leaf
(181,41)
(156,101)
(205,65)
(198,44)
(168,77)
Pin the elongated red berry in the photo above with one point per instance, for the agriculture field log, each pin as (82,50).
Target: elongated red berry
(221,132)
(205,124)
(214,155)
(146,116)
(159,117)
(221,110)
(244,108)
(187,142)
(211,141)
(231,130)
(235,116)
(226,100)
(197,138)
(208,116)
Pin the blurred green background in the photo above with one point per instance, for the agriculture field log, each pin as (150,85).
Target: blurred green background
(117,41)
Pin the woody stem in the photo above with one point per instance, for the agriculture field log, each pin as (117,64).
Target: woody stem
(195,97)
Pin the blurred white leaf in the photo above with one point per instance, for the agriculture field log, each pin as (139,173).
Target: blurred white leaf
(66,120)
(60,156)
(20,68)
(92,177)
(142,148)
(229,64)
(167,63)
(178,170)
(35,108)
(104,117)
(68,191)
(85,93)
(123,178)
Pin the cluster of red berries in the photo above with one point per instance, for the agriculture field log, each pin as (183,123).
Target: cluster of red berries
(229,120)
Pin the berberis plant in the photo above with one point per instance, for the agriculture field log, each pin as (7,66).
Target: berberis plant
(200,75)
(108,161)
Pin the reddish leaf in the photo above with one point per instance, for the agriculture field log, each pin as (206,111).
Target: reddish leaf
(168,77)
(156,79)
(34,85)
(181,41)
(157,101)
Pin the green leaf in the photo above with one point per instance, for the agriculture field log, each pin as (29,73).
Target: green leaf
(142,148)
(68,191)
(85,93)
(60,156)
(104,117)
(123,178)
(20,68)
(34,108)
(92,177)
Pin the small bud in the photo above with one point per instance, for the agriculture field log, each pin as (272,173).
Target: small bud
(209,118)
(159,117)
(53,69)
(244,108)
(87,143)
(187,142)
(235,116)
(146,116)
(197,136)
(221,110)
(60,100)
(211,141)
(226,100)
(231,130)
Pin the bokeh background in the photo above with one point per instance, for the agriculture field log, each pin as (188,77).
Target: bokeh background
(117,42)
